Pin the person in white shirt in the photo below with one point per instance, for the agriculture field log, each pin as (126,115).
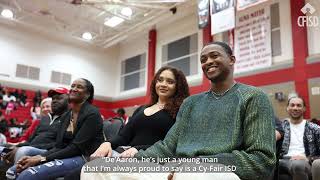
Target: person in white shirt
(7,97)
(300,145)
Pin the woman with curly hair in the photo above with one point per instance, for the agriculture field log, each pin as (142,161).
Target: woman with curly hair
(150,123)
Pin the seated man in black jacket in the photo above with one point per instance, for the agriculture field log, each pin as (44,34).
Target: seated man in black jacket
(79,136)
(45,134)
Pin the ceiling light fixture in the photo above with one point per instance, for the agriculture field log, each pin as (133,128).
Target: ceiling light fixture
(114,21)
(7,13)
(126,11)
(87,36)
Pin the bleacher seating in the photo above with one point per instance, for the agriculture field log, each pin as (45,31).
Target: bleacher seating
(22,113)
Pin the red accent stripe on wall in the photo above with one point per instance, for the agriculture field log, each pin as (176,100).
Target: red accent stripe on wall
(151,57)
(129,102)
(267,78)
(206,38)
(300,52)
(102,104)
(313,70)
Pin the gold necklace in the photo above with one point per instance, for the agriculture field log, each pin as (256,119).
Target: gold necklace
(219,95)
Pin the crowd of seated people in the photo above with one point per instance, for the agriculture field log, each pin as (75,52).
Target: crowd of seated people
(10,100)
(43,139)
(12,128)
(308,169)
(232,122)
(79,132)
(80,135)
(243,134)
(297,147)
(15,124)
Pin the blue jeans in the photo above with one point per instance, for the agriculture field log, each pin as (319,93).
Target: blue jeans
(27,151)
(51,170)
(23,151)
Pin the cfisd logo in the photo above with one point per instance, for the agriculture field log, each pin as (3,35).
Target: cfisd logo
(310,21)
(308,8)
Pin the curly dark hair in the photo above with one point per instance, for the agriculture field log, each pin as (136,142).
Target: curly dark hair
(182,91)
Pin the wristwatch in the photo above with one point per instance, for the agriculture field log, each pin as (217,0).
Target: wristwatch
(43,159)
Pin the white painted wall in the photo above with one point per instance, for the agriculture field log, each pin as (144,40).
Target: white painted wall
(178,26)
(314,31)
(103,67)
(286,34)
(170,31)
(21,46)
(127,49)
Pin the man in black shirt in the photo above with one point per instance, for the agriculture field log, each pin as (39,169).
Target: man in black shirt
(45,134)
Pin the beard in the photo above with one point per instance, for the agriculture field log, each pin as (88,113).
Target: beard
(296,117)
(58,109)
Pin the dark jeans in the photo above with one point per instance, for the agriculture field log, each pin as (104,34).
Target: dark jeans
(294,169)
(52,169)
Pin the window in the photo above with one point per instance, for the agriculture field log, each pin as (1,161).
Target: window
(275,30)
(27,72)
(133,72)
(182,54)
(60,77)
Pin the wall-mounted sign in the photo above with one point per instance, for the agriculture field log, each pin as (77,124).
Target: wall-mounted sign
(222,15)
(253,41)
(203,13)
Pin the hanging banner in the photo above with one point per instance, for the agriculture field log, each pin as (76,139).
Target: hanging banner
(253,41)
(243,4)
(203,13)
(222,15)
